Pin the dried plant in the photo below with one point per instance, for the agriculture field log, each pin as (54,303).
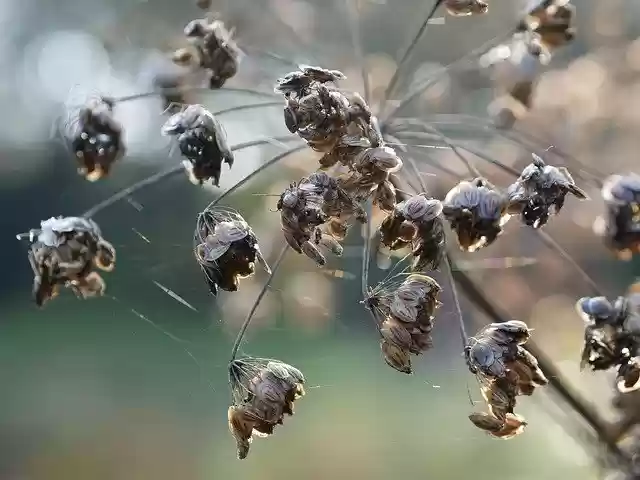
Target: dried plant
(362,174)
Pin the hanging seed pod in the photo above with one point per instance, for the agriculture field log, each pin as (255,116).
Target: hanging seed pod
(540,191)
(64,253)
(226,249)
(405,313)
(263,392)
(95,138)
(202,141)
(477,211)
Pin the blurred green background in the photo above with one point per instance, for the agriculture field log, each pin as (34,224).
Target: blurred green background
(92,390)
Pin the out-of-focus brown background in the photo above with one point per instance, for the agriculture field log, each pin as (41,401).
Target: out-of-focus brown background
(93,391)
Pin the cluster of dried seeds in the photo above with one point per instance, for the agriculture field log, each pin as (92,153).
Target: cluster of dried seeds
(317,212)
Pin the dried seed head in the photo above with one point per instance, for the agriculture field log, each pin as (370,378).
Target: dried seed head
(95,138)
(263,391)
(226,249)
(64,252)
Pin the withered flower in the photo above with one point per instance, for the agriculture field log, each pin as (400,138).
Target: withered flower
(541,190)
(477,211)
(405,314)
(612,338)
(226,249)
(64,252)
(202,141)
(620,227)
(301,215)
(95,138)
(212,49)
(318,112)
(263,392)
(370,176)
(504,370)
(336,203)
(416,223)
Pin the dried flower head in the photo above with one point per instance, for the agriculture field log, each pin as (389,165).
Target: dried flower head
(416,223)
(226,249)
(541,190)
(202,141)
(611,338)
(263,392)
(504,370)
(64,252)
(621,225)
(405,314)
(95,138)
(336,203)
(212,50)
(477,211)
(302,212)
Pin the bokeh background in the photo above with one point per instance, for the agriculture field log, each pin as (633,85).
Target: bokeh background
(133,386)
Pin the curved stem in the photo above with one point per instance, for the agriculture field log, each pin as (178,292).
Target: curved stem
(356,40)
(407,53)
(254,307)
(366,252)
(141,96)
(257,171)
(165,174)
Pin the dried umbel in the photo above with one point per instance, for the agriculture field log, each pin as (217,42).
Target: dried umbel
(226,249)
(540,191)
(64,252)
(370,176)
(202,141)
(612,338)
(621,225)
(405,314)
(263,391)
(504,370)
(301,215)
(212,50)
(95,138)
(477,211)
(318,112)
(416,223)
(336,203)
(463,8)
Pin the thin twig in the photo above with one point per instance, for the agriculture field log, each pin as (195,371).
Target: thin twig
(407,53)
(254,307)
(356,39)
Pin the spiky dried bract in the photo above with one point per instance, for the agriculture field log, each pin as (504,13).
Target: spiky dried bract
(612,337)
(405,314)
(212,49)
(318,112)
(64,252)
(226,249)
(620,226)
(202,141)
(416,223)
(504,370)
(540,191)
(302,212)
(477,211)
(95,138)
(263,392)
(463,8)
